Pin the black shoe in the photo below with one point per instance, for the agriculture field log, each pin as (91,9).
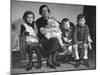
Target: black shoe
(57,64)
(77,63)
(86,63)
(29,67)
(38,66)
(50,65)
(70,58)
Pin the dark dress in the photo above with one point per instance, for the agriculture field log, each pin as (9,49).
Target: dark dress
(49,46)
(81,33)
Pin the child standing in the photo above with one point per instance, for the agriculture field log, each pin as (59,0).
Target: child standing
(80,40)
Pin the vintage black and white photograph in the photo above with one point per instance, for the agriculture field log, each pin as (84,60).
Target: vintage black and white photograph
(52,37)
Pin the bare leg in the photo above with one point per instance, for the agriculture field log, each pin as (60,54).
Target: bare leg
(86,55)
(76,55)
(85,52)
(76,51)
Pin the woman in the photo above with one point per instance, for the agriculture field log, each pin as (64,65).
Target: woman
(50,47)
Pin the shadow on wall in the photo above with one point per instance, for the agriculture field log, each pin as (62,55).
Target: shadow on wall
(15,32)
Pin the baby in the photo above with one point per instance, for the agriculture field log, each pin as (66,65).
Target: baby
(52,30)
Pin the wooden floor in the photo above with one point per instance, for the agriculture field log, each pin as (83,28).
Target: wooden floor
(18,66)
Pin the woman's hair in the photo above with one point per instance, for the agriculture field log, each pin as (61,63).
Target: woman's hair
(64,20)
(80,16)
(27,13)
(41,8)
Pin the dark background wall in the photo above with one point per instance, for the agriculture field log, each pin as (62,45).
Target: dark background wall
(90,12)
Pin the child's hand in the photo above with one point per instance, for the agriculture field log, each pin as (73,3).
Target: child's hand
(90,47)
(69,40)
(65,39)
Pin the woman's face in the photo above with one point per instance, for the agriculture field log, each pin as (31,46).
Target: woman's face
(30,18)
(45,12)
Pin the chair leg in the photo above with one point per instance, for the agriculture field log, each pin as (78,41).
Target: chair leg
(37,50)
(55,59)
(30,64)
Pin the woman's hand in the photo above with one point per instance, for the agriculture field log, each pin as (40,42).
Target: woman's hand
(42,30)
(26,33)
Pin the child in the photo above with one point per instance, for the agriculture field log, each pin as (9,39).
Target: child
(67,35)
(28,28)
(52,30)
(80,40)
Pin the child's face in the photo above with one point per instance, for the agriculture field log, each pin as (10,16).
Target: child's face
(81,21)
(66,25)
(30,18)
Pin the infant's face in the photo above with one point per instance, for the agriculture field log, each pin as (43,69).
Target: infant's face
(51,22)
(66,25)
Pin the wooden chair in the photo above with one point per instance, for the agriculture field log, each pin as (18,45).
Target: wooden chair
(23,46)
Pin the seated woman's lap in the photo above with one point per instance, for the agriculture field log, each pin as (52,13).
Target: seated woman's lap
(50,46)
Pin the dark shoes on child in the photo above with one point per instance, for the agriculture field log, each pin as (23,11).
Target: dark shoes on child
(77,63)
(30,65)
(85,63)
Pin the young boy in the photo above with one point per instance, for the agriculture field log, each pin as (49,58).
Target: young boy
(67,35)
(28,28)
(52,30)
(80,41)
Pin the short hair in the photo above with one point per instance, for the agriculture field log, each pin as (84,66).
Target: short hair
(80,16)
(64,20)
(27,13)
(41,8)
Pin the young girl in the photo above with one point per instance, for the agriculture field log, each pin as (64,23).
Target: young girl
(52,30)
(28,28)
